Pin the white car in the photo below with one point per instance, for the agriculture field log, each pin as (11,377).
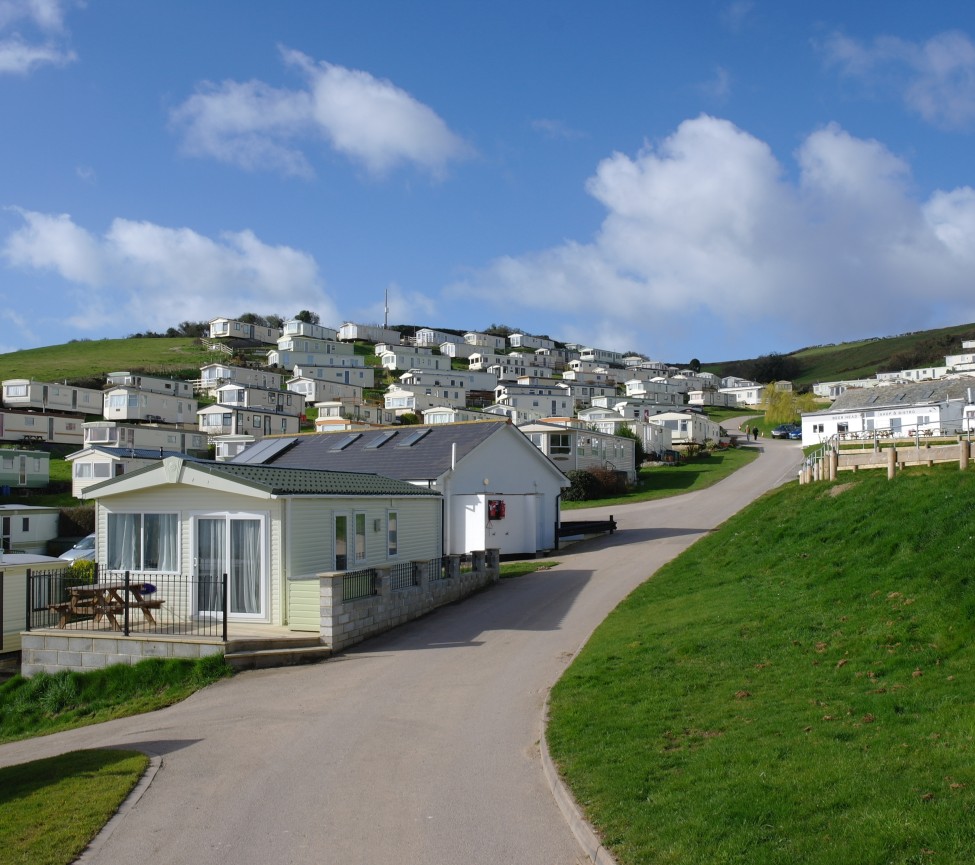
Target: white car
(84,549)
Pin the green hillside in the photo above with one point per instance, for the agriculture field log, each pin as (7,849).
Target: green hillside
(88,360)
(861,359)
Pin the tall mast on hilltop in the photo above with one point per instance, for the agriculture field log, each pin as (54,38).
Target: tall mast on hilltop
(386,309)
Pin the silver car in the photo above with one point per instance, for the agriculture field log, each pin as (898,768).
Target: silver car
(84,549)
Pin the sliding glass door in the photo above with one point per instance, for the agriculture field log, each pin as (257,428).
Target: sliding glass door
(231,545)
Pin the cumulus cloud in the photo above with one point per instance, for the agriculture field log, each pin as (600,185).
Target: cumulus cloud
(44,42)
(936,78)
(705,227)
(368,120)
(138,275)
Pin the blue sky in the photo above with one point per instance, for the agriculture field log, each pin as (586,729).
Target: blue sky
(703,179)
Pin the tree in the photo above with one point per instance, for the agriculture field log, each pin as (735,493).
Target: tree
(694,364)
(308,317)
(639,452)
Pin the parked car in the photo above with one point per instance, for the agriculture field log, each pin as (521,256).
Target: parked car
(796,434)
(83,550)
(782,430)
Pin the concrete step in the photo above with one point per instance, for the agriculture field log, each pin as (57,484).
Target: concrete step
(261,659)
(253,644)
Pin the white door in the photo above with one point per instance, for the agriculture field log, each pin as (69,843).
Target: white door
(231,545)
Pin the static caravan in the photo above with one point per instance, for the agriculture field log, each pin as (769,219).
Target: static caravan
(152,383)
(130,403)
(27,528)
(30,427)
(24,469)
(113,434)
(13,593)
(25,393)
(215,374)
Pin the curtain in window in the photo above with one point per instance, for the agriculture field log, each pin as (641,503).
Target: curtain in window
(159,543)
(211,557)
(245,566)
(124,542)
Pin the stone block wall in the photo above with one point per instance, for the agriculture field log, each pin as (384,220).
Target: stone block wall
(46,652)
(345,623)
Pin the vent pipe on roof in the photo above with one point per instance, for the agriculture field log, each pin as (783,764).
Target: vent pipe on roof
(453,455)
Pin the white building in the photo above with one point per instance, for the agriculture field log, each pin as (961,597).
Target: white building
(689,427)
(215,374)
(23,393)
(368,333)
(142,436)
(573,448)
(126,403)
(295,328)
(152,384)
(229,328)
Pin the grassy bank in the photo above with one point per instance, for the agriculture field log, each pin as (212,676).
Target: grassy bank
(796,688)
(663,481)
(47,704)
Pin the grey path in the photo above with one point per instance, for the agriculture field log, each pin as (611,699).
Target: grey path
(421,746)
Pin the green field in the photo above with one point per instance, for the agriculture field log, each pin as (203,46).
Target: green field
(796,688)
(86,360)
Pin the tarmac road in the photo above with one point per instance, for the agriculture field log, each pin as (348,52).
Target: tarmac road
(421,746)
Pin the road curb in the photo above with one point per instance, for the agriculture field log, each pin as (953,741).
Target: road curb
(91,852)
(583,831)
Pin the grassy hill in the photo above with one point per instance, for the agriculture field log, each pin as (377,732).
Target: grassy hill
(794,689)
(83,361)
(866,357)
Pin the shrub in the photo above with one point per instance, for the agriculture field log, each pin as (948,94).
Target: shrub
(584,486)
(610,482)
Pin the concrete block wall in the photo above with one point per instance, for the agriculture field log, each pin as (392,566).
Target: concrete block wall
(344,624)
(44,652)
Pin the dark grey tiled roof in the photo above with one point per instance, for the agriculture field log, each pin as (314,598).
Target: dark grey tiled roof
(920,393)
(284,481)
(386,451)
(298,481)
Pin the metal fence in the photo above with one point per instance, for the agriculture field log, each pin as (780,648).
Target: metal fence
(403,575)
(439,568)
(358,584)
(141,603)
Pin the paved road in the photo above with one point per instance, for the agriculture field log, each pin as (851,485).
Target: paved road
(419,747)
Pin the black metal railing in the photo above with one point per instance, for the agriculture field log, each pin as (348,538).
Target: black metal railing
(358,584)
(403,575)
(439,568)
(127,602)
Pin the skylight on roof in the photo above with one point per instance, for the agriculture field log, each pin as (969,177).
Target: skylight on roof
(381,439)
(412,438)
(345,441)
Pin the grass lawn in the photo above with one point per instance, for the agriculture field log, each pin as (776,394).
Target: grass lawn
(662,481)
(795,688)
(47,704)
(53,808)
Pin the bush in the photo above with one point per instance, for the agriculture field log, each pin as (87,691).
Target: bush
(594,483)
(610,482)
(76,522)
(585,486)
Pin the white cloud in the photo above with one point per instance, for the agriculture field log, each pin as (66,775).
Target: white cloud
(44,21)
(936,78)
(368,120)
(556,129)
(704,227)
(139,275)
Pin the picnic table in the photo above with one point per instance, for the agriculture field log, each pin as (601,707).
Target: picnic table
(107,601)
